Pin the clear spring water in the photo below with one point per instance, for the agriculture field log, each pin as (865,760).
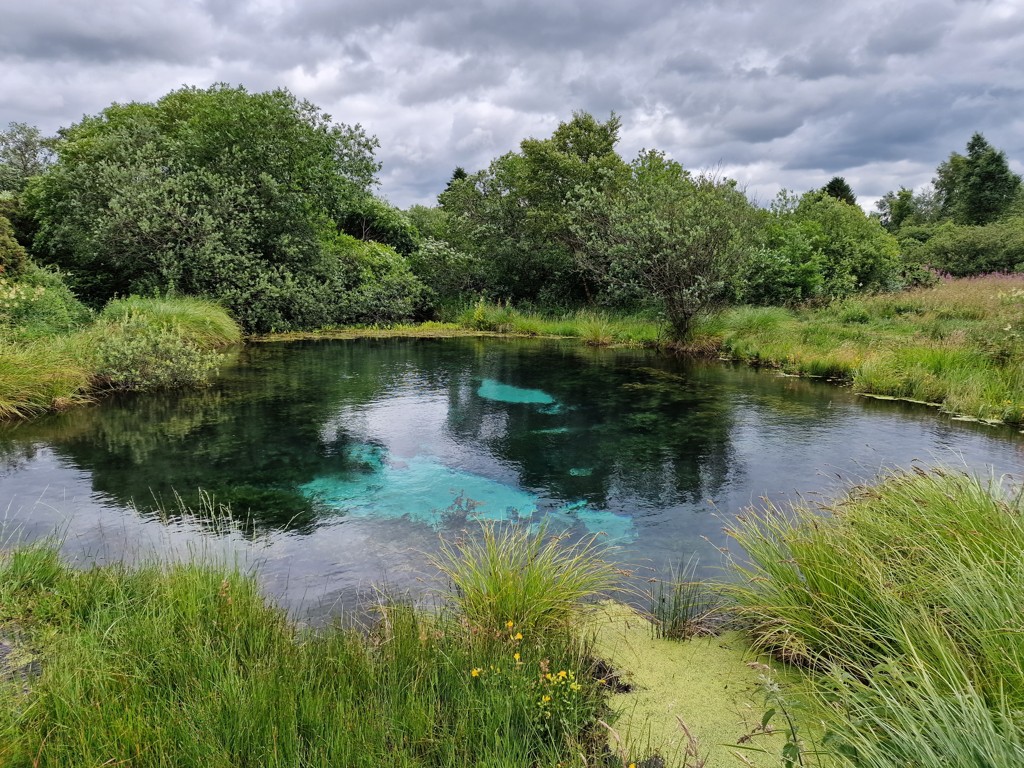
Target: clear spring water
(351,458)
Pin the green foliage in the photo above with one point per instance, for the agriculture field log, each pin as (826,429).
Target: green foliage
(36,302)
(977,188)
(856,253)
(906,596)
(41,375)
(448,274)
(215,192)
(965,250)
(204,322)
(24,153)
(838,188)
(508,580)
(148,344)
(367,218)
(188,665)
(665,235)
(515,217)
(12,256)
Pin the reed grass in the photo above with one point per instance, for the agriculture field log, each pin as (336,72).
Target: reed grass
(905,597)
(684,606)
(41,375)
(959,344)
(187,665)
(202,321)
(507,579)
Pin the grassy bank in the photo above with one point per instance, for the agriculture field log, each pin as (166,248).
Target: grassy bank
(133,343)
(959,344)
(905,601)
(188,665)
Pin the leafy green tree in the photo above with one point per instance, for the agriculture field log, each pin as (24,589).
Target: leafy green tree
(218,192)
(515,215)
(962,251)
(894,208)
(857,254)
(24,153)
(978,187)
(838,188)
(666,235)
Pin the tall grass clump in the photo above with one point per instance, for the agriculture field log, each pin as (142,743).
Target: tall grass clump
(906,596)
(204,322)
(41,375)
(507,576)
(684,606)
(187,665)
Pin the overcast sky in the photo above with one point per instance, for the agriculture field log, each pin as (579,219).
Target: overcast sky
(777,93)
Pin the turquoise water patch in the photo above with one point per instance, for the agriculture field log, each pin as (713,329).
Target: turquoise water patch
(425,490)
(581,471)
(506,393)
(552,431)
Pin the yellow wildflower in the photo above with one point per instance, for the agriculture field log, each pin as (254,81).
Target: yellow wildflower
(518,636)
(475,671)
(515,656)
(561,674)
(510,623)
(547,698)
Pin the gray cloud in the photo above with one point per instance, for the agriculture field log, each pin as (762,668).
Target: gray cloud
(776,93)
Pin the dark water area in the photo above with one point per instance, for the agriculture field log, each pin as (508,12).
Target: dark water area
(348,459)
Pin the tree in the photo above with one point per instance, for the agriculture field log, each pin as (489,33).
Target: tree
(24,153)
(514,216)
(894,208)
(840,190)
(218,192)
(664,234)
(977,188)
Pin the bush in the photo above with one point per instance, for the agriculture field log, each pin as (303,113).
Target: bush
(147,344)
(37,303)
(13,257)
(137,355)
(963,251)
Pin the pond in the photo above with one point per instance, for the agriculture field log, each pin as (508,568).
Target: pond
(343,461)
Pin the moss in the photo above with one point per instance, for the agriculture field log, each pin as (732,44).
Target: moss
(715,685)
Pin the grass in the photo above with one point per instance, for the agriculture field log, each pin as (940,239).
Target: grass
(41,375)
(188,665)
(906,601)
(684,606)
(509,578)
(590,326)
(959,344)
(134,343)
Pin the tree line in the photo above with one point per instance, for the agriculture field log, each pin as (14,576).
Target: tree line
(263,203)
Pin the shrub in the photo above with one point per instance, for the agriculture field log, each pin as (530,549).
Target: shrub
(135,354)
(12,256)
(146,344)
(37,303)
